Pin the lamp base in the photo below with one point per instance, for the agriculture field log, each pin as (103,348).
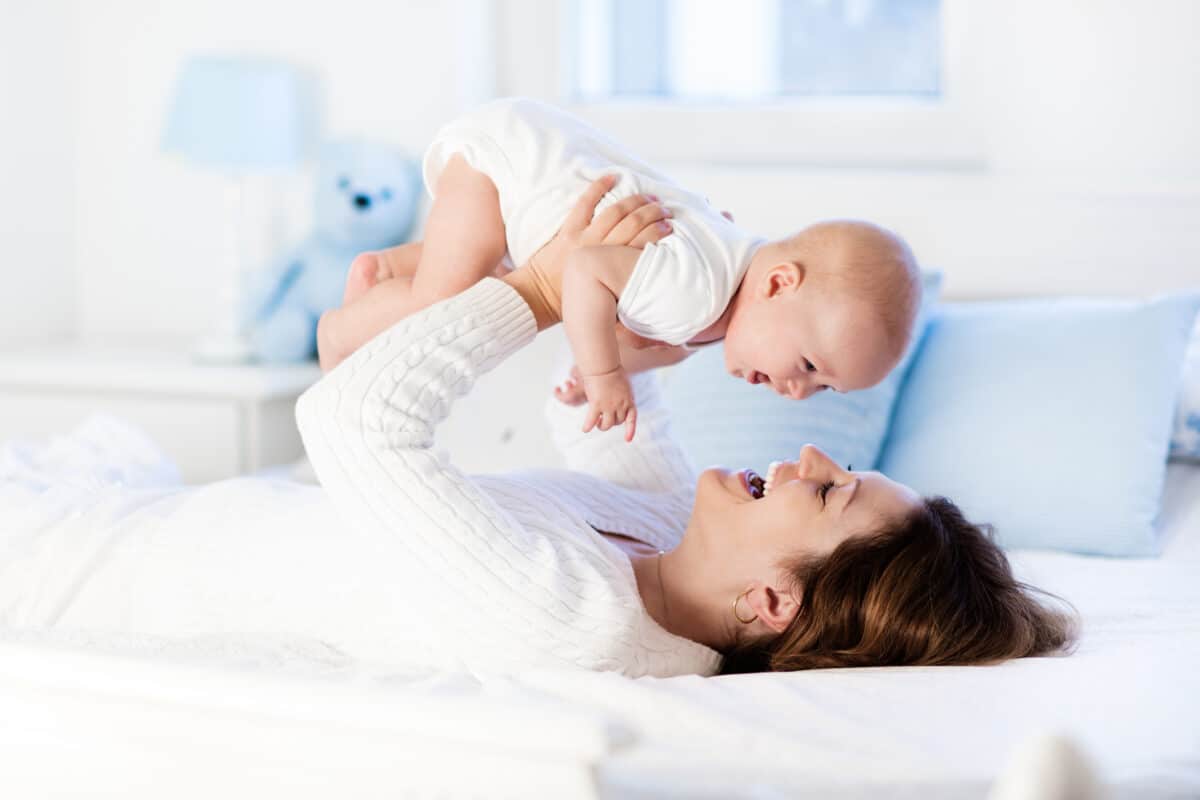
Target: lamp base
(223,348)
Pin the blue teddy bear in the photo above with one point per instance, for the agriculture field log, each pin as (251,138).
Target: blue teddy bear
(366,198)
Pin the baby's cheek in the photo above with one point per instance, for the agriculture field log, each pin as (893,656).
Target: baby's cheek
(736,344)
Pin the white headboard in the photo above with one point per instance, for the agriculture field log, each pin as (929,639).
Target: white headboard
(992,236)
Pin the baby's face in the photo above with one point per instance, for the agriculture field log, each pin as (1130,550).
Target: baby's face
(804,342)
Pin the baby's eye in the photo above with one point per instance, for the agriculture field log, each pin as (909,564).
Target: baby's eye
(809,366)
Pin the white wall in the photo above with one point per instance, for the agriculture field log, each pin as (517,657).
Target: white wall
(1089,114)
(38,125)
(149,228)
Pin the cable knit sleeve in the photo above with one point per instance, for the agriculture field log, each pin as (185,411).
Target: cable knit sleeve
(652,462)
(501,590)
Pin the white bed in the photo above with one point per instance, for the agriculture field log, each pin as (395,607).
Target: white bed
(124,717)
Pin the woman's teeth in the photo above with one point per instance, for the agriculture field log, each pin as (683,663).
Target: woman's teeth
(772,469)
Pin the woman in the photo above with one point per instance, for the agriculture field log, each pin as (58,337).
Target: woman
(603,567)
(626,562)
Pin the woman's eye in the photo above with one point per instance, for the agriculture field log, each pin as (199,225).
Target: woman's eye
(809,366)
(824,490)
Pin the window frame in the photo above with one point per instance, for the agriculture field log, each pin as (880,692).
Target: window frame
(856,132)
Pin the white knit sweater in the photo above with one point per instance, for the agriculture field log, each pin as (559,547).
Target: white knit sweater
(507,572)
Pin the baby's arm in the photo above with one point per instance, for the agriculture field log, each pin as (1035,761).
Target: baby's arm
(634,360)
(594,279)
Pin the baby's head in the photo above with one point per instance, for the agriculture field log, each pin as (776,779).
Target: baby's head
(831,307)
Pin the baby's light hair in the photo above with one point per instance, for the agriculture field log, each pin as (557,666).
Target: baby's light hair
(871,262)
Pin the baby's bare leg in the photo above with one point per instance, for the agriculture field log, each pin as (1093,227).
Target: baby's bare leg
(368,269)
(464,235)
(343,330)
(464,242)
(400,261)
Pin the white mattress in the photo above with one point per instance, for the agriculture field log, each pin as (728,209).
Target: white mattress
(126,717)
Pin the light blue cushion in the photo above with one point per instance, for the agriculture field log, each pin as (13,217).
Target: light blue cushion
(1049,419)
(1185,441)
(721,420)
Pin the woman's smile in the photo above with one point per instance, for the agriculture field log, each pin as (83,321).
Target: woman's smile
(753,483)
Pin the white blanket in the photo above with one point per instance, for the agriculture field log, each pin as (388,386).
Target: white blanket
(192,716)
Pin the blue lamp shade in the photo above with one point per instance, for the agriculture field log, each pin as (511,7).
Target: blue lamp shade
(241,114)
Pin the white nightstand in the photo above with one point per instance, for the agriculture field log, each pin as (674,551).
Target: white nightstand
(214,421)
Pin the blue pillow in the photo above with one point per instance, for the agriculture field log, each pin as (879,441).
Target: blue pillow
(1048,418)
(721,420)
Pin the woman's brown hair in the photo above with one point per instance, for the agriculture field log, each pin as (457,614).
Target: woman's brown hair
(933,589)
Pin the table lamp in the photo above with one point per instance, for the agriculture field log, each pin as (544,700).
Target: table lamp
(242,117)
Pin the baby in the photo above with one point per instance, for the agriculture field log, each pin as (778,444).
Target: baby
(830,307)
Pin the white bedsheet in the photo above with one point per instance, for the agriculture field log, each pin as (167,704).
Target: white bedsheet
(150,716)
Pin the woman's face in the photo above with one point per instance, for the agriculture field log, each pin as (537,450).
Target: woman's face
(811,506)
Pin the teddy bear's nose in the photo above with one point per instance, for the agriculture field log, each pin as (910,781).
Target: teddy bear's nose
(362,201)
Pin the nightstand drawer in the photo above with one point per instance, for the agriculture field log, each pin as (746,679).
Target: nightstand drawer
(215,422)
(204,437)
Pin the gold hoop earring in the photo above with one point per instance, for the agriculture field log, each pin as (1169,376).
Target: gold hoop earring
(738,616)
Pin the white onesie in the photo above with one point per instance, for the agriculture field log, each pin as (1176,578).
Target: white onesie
(541,159)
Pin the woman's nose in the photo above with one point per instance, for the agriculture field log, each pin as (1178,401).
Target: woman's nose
(814,464)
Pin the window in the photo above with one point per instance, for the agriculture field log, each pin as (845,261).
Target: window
(753,50)
(862,83)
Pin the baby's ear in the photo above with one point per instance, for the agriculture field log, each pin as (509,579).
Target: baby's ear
(786,276)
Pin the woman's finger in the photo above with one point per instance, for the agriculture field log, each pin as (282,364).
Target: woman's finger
(633,223)
(607,219)
(652,233)
(585,207)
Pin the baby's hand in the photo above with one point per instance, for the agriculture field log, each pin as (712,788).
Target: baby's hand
(610,398)
(570,391)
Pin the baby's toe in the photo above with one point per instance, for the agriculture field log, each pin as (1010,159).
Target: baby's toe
(363,274)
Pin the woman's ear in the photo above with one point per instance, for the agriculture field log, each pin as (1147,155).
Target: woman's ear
(774,607)
(782,277)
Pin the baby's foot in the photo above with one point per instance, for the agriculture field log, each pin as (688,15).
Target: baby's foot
(571,390)
(363,274)
(331,350)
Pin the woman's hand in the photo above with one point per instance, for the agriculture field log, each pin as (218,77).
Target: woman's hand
(635,221)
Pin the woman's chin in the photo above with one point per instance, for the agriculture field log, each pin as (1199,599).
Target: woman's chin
(724,483)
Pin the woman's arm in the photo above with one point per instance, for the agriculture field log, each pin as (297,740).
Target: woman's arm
(497,585)
(490,577)
(635,221)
